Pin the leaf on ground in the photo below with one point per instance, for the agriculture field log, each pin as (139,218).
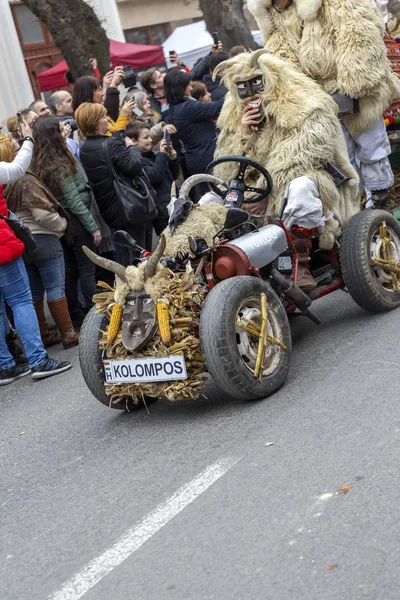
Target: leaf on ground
(345,488)
(332,567)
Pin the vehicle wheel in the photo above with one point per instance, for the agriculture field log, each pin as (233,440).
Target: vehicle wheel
(91,361)
(371,286)
(230,352)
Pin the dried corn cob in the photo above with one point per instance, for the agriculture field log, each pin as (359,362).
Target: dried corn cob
(163,321)
(115,323)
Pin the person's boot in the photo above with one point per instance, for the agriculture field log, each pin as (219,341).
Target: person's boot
(61,316)
(381,200)
(48,339)
(302,243)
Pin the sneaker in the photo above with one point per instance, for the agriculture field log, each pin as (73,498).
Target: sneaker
(50,367)
(13,373)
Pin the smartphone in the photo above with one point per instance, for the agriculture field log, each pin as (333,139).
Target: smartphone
(167,138)
(215,38)
(138,112)
(19,116)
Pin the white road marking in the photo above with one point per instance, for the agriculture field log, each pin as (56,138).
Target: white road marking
(100,567)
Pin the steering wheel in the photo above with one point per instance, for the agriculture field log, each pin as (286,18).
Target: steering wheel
(245,162)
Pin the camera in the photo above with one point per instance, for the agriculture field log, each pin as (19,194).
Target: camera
(130,78)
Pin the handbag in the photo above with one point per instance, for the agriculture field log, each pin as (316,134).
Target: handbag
(21,231)
(136,200)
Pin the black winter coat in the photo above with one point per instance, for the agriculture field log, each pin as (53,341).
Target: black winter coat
(162,172)
(197,131)
(216,89)
(127,163)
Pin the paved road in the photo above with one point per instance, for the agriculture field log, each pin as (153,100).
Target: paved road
(77,477)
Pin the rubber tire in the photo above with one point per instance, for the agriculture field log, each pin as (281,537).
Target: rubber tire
(91,361)
(358,274)
(218,339)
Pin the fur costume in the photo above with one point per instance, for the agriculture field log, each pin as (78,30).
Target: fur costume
(300,135)
(339,43)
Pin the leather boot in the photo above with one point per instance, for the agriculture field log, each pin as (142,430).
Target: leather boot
(302,243)
(48,339)
(60,314)
(381,200)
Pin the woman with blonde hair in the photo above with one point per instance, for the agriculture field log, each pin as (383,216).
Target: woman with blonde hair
(126,161)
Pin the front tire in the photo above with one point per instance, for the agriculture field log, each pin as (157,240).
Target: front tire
(230,352)
(91,361)
(369,285)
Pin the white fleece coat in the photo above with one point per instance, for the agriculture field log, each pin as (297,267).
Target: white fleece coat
(339,43)
(300,134)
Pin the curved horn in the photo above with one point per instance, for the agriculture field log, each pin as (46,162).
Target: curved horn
(105,263)
(256,55)
(194,180)
(173,190)
(151,265)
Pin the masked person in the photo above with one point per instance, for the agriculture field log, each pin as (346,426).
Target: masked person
(282,119)
(340,45)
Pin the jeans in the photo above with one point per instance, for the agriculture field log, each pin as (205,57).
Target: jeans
(47,275)
(79,268)
(15,290)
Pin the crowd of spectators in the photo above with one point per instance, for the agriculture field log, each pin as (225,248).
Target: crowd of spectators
(57,168)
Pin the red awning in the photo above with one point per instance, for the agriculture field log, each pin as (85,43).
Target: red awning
(136,56)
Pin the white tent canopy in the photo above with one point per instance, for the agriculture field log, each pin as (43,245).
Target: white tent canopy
(192,42)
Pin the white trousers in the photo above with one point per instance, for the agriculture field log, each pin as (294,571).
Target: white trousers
(368,153)
(303,204)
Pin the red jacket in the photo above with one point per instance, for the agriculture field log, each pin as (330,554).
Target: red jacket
(10,246)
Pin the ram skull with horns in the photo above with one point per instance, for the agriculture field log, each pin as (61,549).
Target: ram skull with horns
(137,289)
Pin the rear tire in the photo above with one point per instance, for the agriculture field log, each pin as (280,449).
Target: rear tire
(229,352)
(91,361)
(369,286)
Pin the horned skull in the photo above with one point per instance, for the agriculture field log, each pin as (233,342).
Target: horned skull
(139,322)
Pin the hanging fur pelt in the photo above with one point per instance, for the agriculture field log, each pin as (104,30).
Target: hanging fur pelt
(300,134)
(339,43)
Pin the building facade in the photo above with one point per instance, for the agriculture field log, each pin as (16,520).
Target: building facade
(152,21)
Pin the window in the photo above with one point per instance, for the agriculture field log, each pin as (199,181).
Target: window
(29,26)
(154,35)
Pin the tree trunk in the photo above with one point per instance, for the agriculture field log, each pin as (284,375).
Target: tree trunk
(76,31)
(226,17)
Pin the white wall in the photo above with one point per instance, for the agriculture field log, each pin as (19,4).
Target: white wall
(107,12)
(16,91)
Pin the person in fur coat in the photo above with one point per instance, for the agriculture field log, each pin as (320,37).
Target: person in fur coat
(282,119)
(339,43)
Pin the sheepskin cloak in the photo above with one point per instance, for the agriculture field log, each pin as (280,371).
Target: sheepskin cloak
(339,43)
(300,135)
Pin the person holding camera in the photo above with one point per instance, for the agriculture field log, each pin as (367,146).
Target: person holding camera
(89,89)
(61,107)
(162,168)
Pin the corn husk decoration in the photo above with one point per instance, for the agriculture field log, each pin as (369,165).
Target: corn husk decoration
(115,323)
(178,312)
(163,320)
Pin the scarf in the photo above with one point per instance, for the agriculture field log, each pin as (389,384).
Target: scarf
(31,192)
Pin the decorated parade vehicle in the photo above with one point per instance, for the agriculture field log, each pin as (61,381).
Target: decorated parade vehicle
(213,300)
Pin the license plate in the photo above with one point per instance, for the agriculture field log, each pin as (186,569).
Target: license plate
(145,370)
